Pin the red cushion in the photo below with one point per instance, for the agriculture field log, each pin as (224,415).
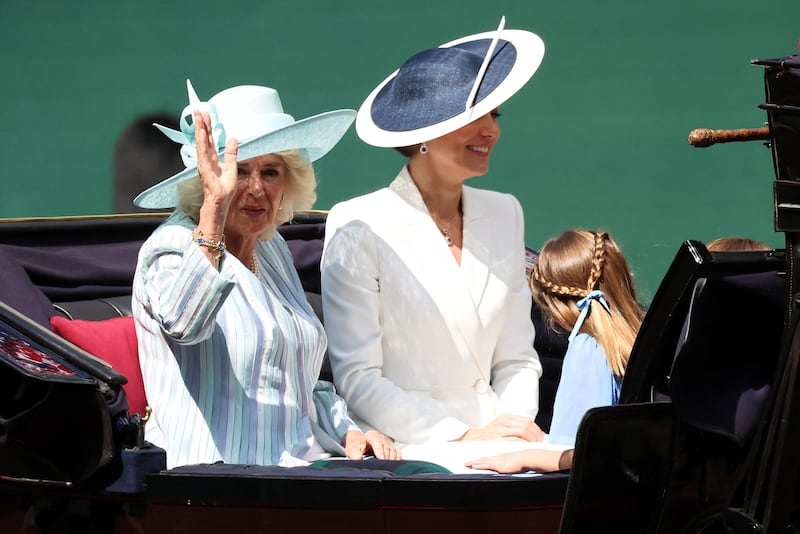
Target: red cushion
(112,340)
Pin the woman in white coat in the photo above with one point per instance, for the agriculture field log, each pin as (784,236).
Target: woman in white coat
(425,299)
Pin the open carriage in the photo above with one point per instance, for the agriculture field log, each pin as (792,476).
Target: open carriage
(705,438)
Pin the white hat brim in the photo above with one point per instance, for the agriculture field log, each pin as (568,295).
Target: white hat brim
(530,52)
(317,135)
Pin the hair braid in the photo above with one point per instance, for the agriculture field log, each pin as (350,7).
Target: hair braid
(598,260)
(557,289)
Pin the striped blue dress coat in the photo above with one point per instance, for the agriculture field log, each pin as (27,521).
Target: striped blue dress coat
(231,362)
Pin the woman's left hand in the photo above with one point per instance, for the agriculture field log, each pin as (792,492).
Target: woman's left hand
(539,460)
(357,444)
(510,462)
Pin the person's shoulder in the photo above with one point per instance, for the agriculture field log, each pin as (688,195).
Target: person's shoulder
(490,197)
(359,203)
(365,207)
(583,344)
(172,236)
(177,225)
(503,208)
(584,340)
(586,352)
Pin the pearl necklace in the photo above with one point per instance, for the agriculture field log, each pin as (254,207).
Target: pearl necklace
(254,265)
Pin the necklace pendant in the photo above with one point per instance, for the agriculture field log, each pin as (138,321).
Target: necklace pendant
(447,238)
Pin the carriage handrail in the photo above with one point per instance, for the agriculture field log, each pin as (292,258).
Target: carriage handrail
(703,137)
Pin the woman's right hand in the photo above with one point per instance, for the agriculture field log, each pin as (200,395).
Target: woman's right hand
(219,178)
(506,426)
(357,444)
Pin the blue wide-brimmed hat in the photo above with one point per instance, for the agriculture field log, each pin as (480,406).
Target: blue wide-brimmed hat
(253,114)
(439,90)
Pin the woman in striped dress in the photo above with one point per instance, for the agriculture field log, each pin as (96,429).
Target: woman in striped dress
(230,349)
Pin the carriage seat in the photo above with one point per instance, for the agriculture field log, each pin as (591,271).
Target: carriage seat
(105,328)
(95,309)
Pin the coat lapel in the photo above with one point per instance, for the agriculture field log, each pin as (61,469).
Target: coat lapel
(456,290)
(476,255)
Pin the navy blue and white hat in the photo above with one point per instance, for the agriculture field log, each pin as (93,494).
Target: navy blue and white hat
(439,90)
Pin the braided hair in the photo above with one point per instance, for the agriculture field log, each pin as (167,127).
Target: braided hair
(570,267)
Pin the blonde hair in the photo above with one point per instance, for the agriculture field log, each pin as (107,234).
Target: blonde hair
(568,268)
(736,243)
(299,192)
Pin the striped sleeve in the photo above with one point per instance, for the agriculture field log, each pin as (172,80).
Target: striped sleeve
(332,411)
(184,291)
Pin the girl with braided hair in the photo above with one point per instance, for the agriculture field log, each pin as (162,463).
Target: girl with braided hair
(582,284)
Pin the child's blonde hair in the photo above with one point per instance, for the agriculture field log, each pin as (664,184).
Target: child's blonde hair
(569,268)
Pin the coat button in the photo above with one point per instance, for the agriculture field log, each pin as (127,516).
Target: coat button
(481,386)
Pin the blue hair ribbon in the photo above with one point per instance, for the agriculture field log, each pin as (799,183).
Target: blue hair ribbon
(584,305)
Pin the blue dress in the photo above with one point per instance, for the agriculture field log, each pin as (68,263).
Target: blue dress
(586,382)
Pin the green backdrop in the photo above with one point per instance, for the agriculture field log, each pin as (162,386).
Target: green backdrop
(598,138)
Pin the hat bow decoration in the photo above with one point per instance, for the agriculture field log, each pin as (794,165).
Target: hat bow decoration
(186,136)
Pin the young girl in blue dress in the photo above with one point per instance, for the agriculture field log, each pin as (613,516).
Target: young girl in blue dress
(582,283)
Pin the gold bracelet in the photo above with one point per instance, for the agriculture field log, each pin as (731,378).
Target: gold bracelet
(198,238)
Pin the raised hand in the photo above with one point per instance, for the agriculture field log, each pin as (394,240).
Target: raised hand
(218,177)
